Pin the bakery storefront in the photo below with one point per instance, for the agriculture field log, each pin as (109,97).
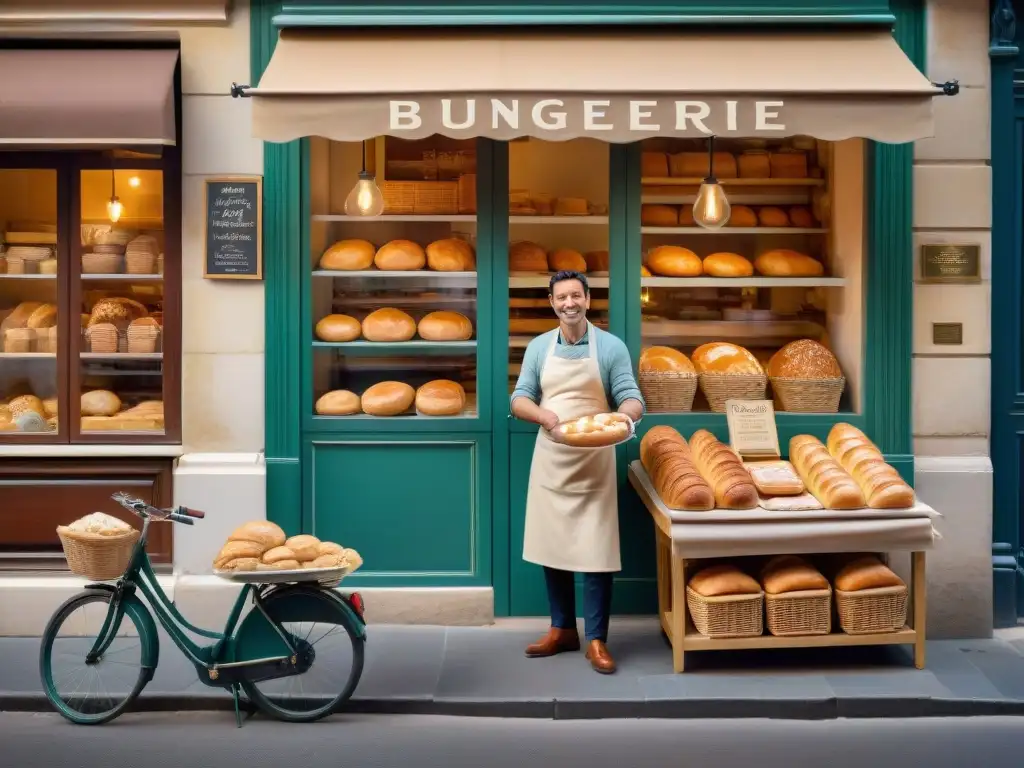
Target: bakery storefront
(415,211)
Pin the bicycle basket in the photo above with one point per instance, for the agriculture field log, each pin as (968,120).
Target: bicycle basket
(95,556)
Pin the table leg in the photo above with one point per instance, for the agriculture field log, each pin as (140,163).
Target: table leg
(663,549)
(919,592)
(678,610)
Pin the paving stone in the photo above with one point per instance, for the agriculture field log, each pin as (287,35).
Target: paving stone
(1004,670)
(402,662)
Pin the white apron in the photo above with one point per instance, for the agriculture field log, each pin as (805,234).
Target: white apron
(572,504)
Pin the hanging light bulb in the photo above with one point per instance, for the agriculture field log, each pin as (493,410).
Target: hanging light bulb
(711,210)
(114,208)
(365,199)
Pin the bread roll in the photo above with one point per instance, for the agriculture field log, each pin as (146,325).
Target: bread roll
(742,216)
(26,403)
(400,256)
(233,550)
(753,164)
(348,255)
(338,402)
(330,548)
(866,572)
(783,262)
(675,476)
(388,325)
(723,357)
(388,398)
(789,573)
(524,256)
(304,546)
(727,265)
(338,328)
(441,397)
(445,326)
(262,532)
(654,164)
(674,261)
(664,360)
(723,471)
(788,165)
(602,429)
(276,554)
(330,560)
(452,254)
(801,216)
(240,564)
(804,359)
(568,259)
(823,476)
(656,215)
(597,261)
(686,216)
(880,482)
(280,565)
(651,442)
(100,402)
(723,579)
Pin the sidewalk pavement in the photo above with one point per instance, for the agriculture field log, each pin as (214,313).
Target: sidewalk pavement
(482,671)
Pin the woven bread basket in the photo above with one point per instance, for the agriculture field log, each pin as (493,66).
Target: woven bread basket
(96,556)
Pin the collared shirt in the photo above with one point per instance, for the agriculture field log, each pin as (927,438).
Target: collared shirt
(612,361)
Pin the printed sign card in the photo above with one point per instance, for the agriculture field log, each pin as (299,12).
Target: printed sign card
(752,432)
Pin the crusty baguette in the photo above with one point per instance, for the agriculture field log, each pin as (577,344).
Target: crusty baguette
(866,573)
(650,443)
(723,579)
(723,471)
(677,480)
(824,477)
(881,484)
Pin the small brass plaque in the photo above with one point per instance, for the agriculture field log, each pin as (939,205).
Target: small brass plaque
(947,333)
(949,263)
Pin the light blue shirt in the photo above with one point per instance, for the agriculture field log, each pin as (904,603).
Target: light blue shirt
(612,361)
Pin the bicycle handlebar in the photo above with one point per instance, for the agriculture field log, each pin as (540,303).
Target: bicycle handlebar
(142,509)
(181,518)
(189,512)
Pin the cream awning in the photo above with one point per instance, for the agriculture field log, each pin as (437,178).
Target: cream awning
(87,97)
(617,86)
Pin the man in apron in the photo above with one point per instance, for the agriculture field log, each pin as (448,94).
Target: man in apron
(572,513)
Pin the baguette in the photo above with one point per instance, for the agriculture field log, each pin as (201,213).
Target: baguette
(824,477)
(723,471)
(677,481)
(878,480)
(723,579)
(866,573)
(651,442)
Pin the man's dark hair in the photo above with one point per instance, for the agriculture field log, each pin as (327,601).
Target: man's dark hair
(568,274)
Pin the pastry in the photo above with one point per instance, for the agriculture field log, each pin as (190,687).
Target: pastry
(277,554)
(400,256)
(602,429)
(233,550)
(789,573)
(723,471)
(338,402)
(25,403)
(388,398)
(239,564)
(524,256)
(723,357)
(566,259)
(100,523)
(338,328)
(723,579)
(664,360)
(674,261)
(330,548)
(823,476)
(280,565)
(804,359)
(388,325)
(727,265)
(783,262)
(451,254)
(348,255)
(775,478)
(880,482)
(866,572)
(445,326)
(657,215)
(44,316)
(440,397)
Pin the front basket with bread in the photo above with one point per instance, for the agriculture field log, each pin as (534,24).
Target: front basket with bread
(98,546)
(723,601)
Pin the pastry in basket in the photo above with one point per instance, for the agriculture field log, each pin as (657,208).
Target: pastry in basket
(601,429)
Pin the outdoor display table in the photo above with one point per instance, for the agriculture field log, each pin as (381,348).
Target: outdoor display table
(683,537)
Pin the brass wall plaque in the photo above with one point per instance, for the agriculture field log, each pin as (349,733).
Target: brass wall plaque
(947,333)
(950,263)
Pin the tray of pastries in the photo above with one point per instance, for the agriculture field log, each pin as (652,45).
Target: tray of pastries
(599,430)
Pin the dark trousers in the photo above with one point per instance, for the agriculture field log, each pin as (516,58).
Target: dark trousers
(597,601)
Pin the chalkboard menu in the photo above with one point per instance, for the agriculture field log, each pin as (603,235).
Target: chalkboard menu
(234,228)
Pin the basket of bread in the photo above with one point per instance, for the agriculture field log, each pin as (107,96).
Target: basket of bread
(870,597)
(728,371)
(725,602)
(806,378)
(667,379)
(98,546)
(599,430)
(798,597)
(261,551)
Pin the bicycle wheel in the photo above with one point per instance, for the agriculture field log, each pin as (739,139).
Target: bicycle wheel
(91,692)
(325,638)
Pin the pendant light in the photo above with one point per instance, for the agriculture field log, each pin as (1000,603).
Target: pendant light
(365,199)
(114,207)
(711,209)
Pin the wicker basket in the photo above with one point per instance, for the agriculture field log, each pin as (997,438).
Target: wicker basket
(95,556)
(728,615)
(808,395)
(101,263)
(870,611)
(420,197)
(140,263)
(668,391)
(719,387)
(807,612)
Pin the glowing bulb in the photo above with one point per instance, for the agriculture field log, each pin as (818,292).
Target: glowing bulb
(114,208)
(711,209)
(365,199)
(134,181)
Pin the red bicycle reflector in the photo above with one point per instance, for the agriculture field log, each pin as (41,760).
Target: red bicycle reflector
(356,601)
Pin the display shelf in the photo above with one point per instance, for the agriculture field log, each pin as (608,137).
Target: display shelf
(555,220)
(449,279)
(469,412)
(118,356)
(541,280)
(731,231)
(679,181)
(671,330)
(5,276)
(755,281)
(399,347)
(28,356)
(694,641)
(123,276)
(326,217)
(735,198)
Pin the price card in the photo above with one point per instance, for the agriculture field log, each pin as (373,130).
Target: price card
(752,432)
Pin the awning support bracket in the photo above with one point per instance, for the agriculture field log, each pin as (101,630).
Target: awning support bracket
(949,88)
(239,90)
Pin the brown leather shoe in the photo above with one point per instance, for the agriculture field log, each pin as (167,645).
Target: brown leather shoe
(600,659)
(555,641)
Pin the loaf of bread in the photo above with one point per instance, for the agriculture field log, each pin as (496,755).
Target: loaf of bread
(675,477)
(686,216)
(338,328)
(866,572)
(117,311)
(387,398)
(18,317)
(742,216)
(824,477)
(695,165)
(45,316)
(801,216)
(674,261)
(524,256)
(249,541)
(664,360)
(24,403)
(657,215)
(348,255)
(599,430)
(788,165)
(650,443)
(726,264)
(723,357)
(753,164)
(400,256)
(568,259)
(338,402)
(445,326)
(723,579)
(772,216)
(654,164)
(789,573)
(440,397)
(878,480)
(783,262)
(388,324)
(100,402)
(597,261)
(804,359)
(723,471)
(452,254)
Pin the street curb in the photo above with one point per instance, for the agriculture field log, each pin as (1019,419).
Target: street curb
(595,709)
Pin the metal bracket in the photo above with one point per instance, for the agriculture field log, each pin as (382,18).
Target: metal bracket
(949,88)
(239,90)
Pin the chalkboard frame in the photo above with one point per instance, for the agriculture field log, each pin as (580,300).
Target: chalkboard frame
(207,183)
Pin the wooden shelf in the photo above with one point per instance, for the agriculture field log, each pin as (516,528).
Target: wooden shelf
(469,412)
(731,231)
(5,276)
(679,181)
(450,279)
(123,276)
(27,356)
(118,356)
(554,220)
(755,281)
(399,347)
(541,280)
(326,217)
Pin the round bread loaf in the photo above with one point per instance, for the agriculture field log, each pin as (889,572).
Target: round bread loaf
(674,261)
(656,215)
(23,403)
(348,255)
(566,259)
(280,565)
(338,328)
(783,262)
(804,359)
(742,216)
(388,324)
(277,554)
(524,256)
(451,254)
(338,402)
(388,398)
(726,264)
(597,261)
(771,216)
(801,216)
(50,407)
(664,360)
(304,546)
(234,550)
(100,402)
(445,326)
(400,256)
(441,397)
(261,532)
(116,311)
(723,357)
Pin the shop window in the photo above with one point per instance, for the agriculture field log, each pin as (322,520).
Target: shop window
(784,273)
(393,297)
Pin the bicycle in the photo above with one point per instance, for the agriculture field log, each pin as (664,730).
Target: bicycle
(246,654)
